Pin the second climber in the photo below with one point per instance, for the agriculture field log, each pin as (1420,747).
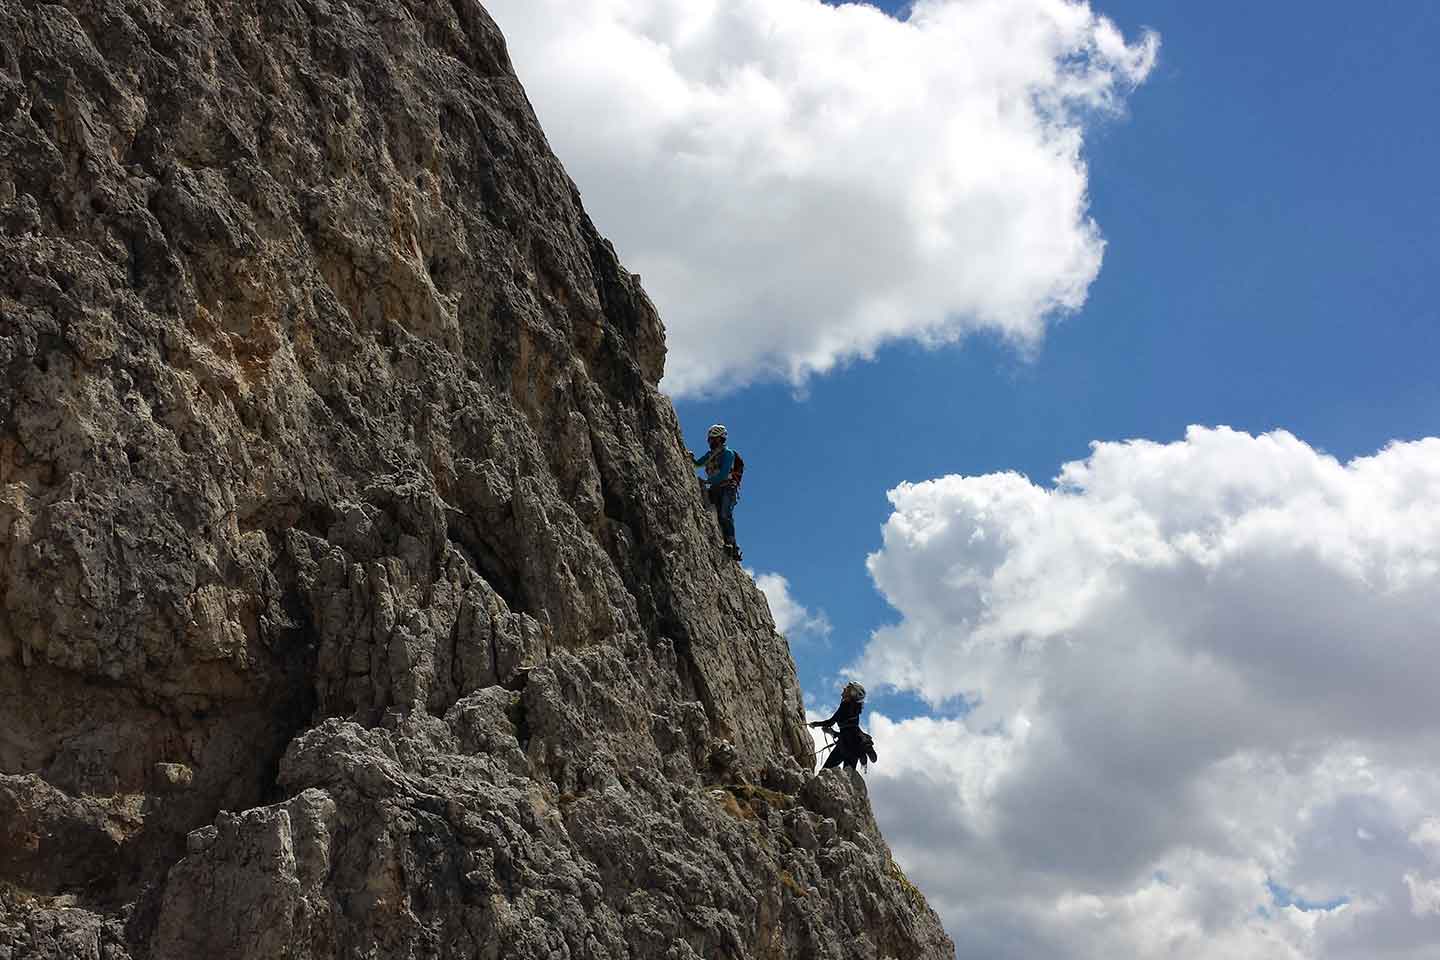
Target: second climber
(853,744)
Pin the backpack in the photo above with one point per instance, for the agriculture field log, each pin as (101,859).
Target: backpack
(737,472)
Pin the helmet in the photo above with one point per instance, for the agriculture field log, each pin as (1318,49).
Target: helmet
(853,689)
(717,431)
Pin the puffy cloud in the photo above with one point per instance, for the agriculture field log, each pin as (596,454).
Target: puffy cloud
(791,618)
(799,183)
(1198,700)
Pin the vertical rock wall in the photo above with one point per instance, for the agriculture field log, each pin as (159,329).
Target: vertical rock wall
(355,595)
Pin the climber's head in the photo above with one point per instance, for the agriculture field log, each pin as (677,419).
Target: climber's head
(852,691)
(717,435)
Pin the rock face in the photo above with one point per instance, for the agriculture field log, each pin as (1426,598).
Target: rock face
(356,599)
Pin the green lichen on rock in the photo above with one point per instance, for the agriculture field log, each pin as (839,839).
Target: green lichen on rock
(912,892)
(788,881)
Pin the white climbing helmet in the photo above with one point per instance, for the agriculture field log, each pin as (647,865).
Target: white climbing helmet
(718,430)
(853,689)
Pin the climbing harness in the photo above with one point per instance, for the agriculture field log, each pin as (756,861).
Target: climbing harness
(829,740)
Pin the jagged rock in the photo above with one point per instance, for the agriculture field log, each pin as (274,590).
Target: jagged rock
(58,933)
(355,598)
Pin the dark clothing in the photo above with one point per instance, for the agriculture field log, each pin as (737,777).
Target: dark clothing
(722,497)
(852,746)
(850,750)
(846,715)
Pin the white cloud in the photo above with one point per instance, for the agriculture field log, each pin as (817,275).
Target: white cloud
(1425,891)
(800,183)
(1427,836)
(1424,894)
(791,618)
(1196,669)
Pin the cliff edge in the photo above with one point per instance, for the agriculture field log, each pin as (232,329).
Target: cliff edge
(356,598)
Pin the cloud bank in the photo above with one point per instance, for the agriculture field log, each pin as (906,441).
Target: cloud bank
(792,618)
(1199,713)
(800,183)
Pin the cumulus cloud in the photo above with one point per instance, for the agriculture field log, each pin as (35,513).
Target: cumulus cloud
(1198,686)
(791,618)
(799,183)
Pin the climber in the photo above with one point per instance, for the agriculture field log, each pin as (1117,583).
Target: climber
(723,469)
(854,745)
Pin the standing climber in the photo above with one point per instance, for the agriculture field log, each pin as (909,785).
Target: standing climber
(723,469)
(854,745)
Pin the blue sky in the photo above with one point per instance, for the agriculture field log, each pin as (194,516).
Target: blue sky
(1271,210)
(1198,675)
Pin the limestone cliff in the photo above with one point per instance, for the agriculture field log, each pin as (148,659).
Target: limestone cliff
(356,599)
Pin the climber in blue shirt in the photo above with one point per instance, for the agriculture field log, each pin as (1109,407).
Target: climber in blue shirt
(723,468)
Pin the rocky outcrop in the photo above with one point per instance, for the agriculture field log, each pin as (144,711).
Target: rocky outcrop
(355,596)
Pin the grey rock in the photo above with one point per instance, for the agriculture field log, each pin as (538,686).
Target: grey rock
(57,932)
(355,596)
(172,777)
